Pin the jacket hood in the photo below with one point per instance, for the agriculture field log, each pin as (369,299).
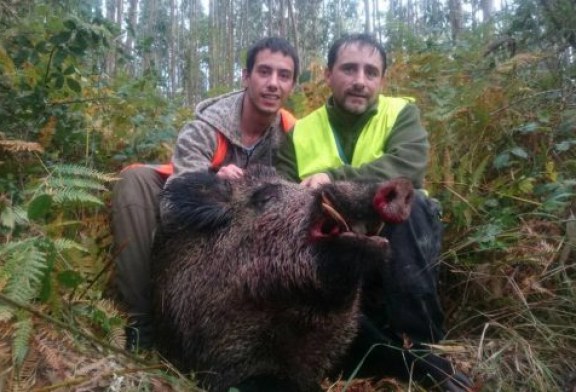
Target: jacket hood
(223,113)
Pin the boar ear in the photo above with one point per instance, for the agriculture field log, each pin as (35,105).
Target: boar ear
(195,201)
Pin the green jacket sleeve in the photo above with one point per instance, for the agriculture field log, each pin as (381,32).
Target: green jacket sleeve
(286,159)
(405,153)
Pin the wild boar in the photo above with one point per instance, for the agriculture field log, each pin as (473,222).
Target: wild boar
(257,280)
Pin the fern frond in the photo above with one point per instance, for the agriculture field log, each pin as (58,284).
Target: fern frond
(6,313)
(62,244)
(81,171)
(66,184)
(21,339)
(75,196)
(3,279)
(48,352)
(117,336)
(17,146)
(5,351)
(74,183)
(24,267)
(12,216)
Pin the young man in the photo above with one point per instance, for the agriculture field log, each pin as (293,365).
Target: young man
(362,135)
(248,123)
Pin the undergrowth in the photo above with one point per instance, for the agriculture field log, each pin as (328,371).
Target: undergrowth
(502,131)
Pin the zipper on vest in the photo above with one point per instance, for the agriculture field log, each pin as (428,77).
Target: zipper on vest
(343,156)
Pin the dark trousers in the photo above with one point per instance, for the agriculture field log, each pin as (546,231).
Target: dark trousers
(135,211)
(400,305)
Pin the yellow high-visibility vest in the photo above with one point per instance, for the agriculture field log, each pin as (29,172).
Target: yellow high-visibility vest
(318,150)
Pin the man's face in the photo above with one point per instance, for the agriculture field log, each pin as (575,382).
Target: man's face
(356,77)
(271,81)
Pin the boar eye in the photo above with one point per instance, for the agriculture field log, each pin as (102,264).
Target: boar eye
(264,195)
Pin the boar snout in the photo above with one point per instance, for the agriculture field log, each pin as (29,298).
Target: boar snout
(393,200)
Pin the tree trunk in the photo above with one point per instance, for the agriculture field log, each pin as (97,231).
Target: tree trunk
(132,21)
(367,17)
(270,19)
(293,25)
(282,20)
(376,20)
(230,29)
(213,77)
(455,18)
(487,7)
(111,55)
(171,51)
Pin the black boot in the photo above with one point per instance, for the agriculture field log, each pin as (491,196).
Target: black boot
(139,334)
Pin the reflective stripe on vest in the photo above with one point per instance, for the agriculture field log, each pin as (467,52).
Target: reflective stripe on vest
(317,149)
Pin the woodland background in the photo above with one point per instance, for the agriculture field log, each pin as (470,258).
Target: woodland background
(87,87)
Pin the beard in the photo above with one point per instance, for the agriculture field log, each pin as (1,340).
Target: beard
(355,104)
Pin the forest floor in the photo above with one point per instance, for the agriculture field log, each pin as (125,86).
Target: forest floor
(59,358)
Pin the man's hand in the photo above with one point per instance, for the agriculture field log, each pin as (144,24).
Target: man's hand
(230,172)
(315,180)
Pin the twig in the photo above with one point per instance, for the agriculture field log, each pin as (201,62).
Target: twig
(104,269)
(528,201)
(523,99)
(84,100)
(481,345)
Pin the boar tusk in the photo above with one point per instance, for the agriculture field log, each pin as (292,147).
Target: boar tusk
(380,228)
(331,211)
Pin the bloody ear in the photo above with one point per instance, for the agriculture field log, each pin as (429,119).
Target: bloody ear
(195,201)
(393,200)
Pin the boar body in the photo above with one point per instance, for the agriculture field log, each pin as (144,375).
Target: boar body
(260,277)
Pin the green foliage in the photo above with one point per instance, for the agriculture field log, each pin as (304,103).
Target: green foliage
(503,162)
(45,242)
(43,71)
(23,266)
(38,259)
(137,124)
(63,117)
(67,184)
(53,91)
(100,316)
(492,134)
(21,338)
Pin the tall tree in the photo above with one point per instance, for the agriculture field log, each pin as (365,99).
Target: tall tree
(487,7)
(455,12)
(294,24)
(173,28)
(131,21)
(367,17)
(111,56)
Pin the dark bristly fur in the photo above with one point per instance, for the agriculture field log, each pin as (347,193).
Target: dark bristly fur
(244,291)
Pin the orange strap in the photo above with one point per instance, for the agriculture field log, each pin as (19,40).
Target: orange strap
(221,150)
(287,120)
(164,170)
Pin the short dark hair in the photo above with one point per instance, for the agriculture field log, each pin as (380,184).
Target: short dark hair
(274,44)
(359,38)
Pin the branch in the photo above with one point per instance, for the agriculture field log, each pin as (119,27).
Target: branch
(524,99)
(79,101)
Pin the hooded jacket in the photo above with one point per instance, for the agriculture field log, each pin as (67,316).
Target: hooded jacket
(198,139)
